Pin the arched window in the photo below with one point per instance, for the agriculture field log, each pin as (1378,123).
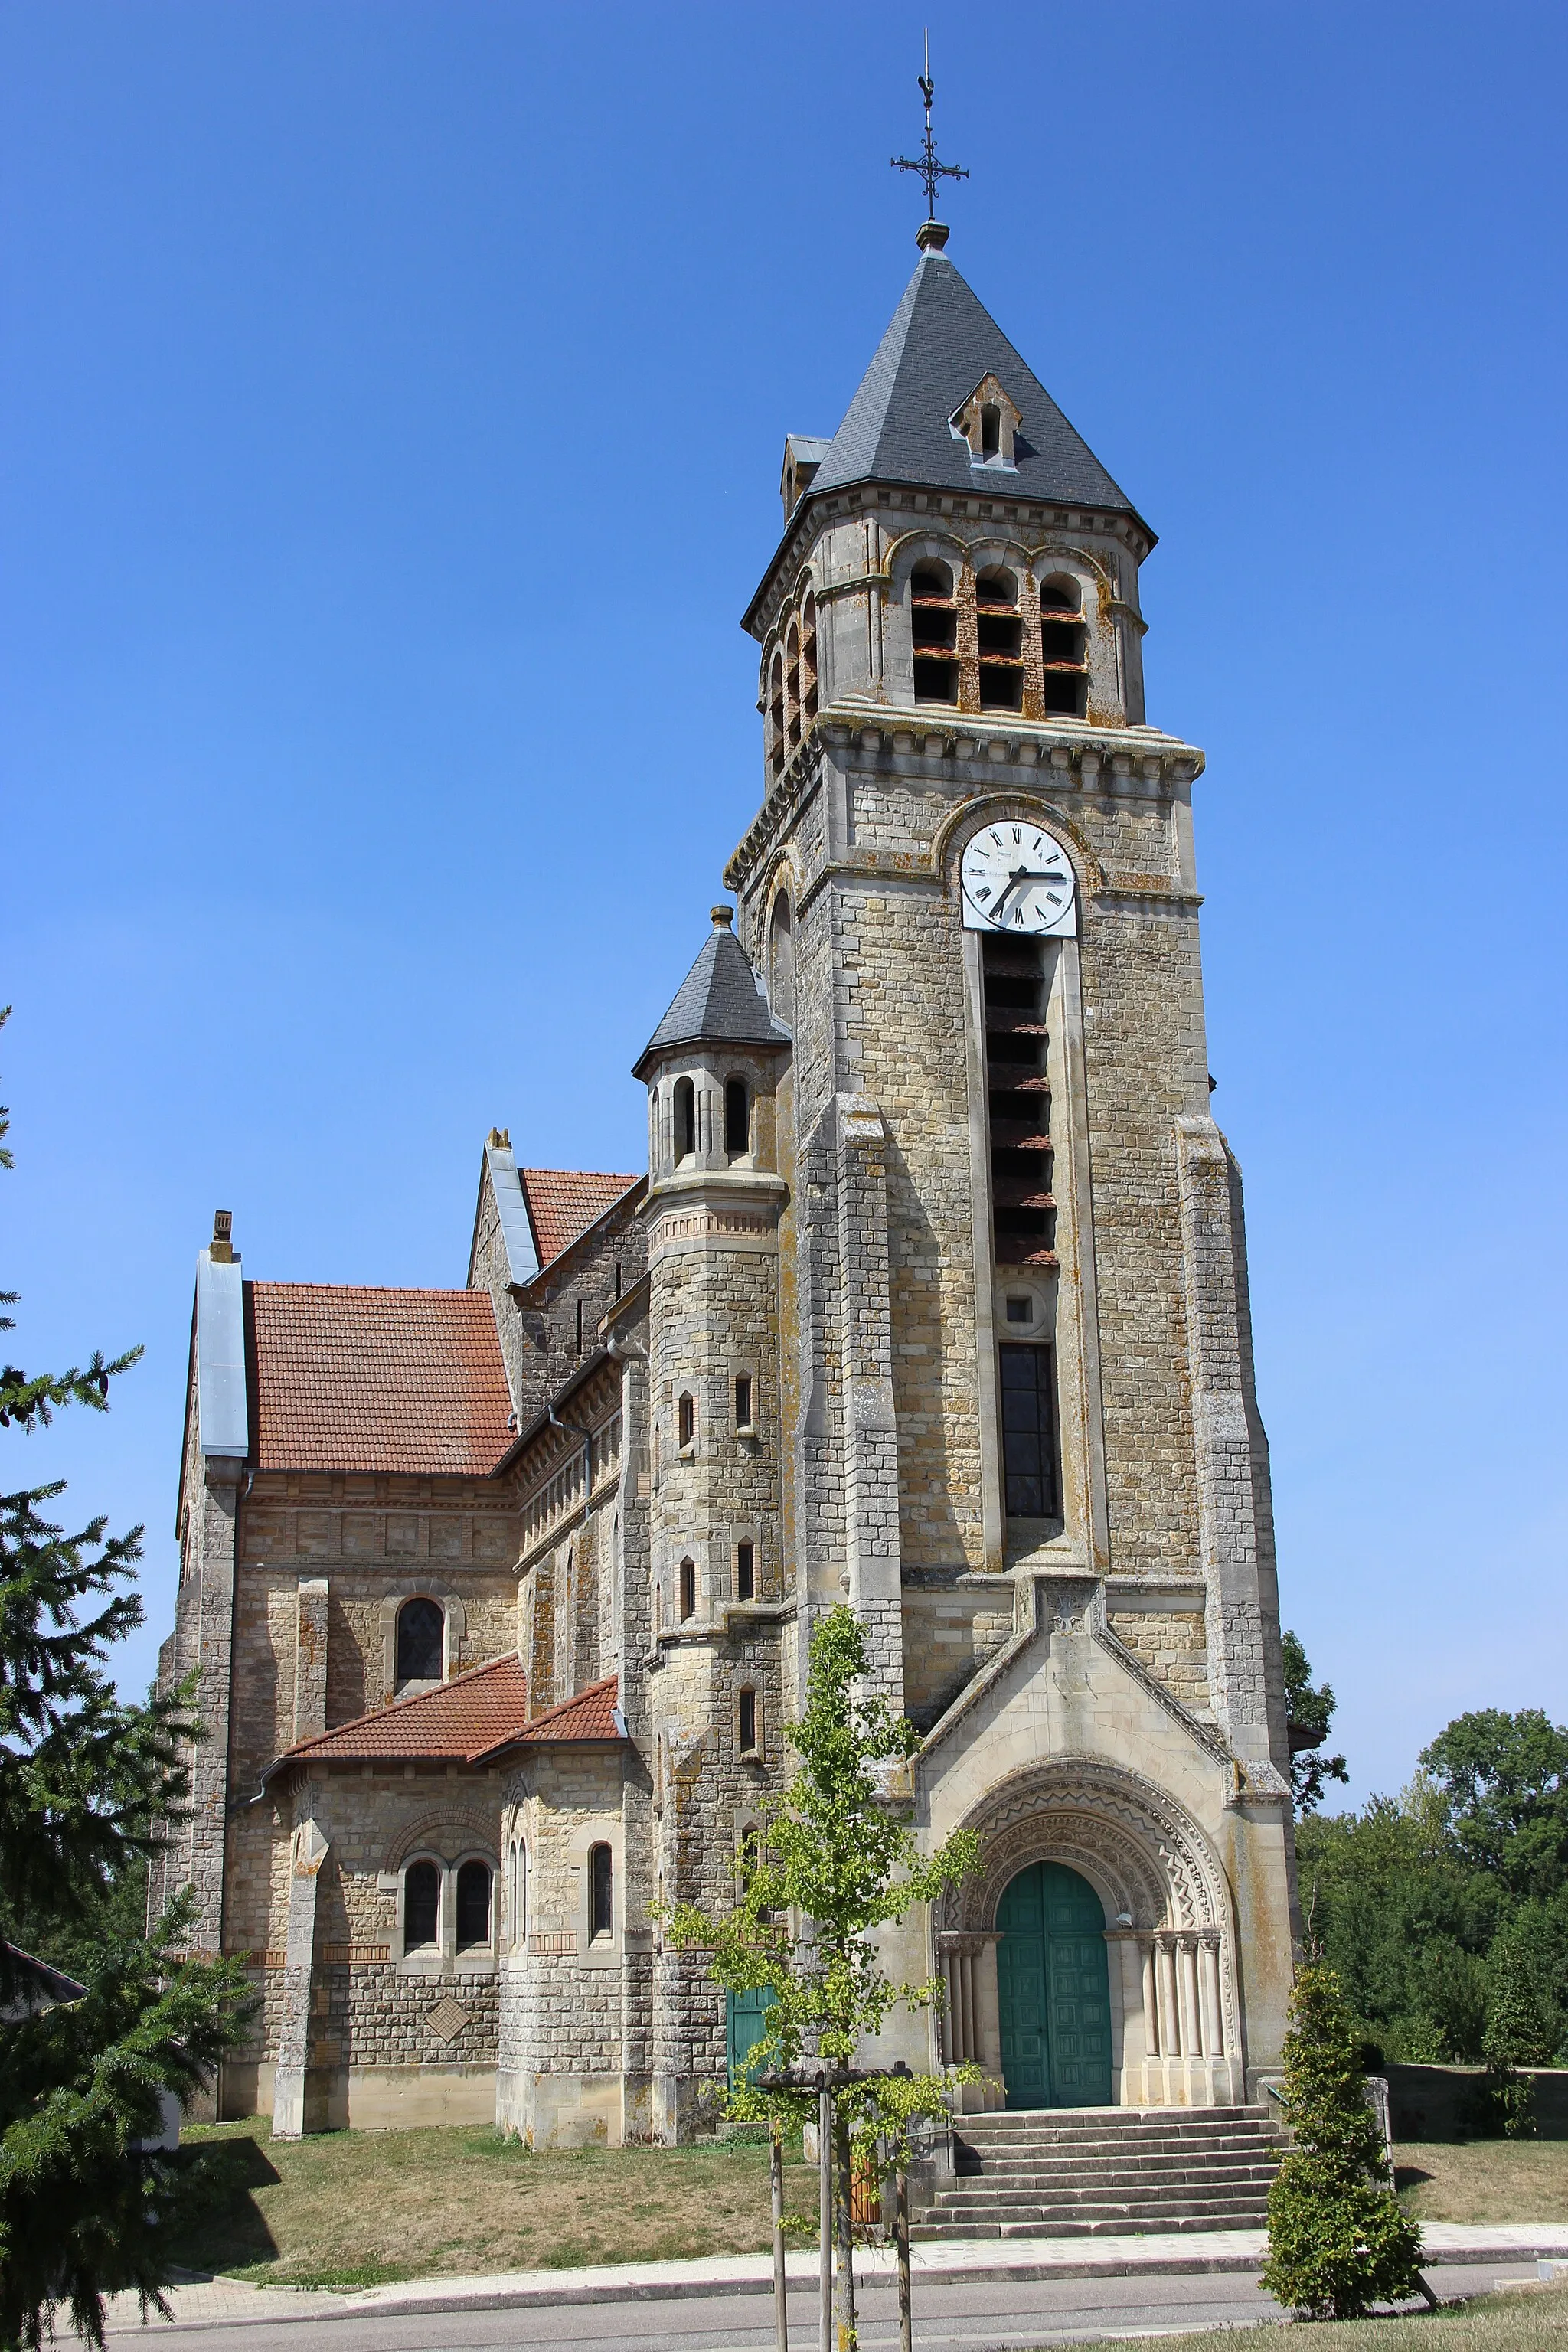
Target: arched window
(421,1639)
(808,658)
(737,1115)
(601,1890)
(685,1118)
(748,1856)
(685,1422)
(688,1588)
(776,715)
(781,959)
(1063,639)
(999,632)
(791,686)
(933,629)
(421,1905)
(473,1905)
(989,430)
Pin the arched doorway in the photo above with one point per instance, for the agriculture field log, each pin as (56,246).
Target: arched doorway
(1053,1990)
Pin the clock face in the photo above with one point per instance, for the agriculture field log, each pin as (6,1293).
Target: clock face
(1016,879)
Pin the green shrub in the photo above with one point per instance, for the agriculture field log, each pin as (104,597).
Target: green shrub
(1338,2240)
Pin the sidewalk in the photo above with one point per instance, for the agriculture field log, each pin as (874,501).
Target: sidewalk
(230,2302)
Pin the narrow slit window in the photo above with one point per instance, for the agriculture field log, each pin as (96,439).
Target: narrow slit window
(743,1401)
(579,1327)
(748,1714)
(685,1118)
(745,1571)
(737,1115)
(686,1423)
(688,1588)
(520,1894)
(421,1905)
(1029,1432)
(601,1890)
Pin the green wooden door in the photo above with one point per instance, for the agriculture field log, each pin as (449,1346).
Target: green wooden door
(743,2016)
(1053,1987)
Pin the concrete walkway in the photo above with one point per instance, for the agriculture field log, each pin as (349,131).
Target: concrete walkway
(220,2302)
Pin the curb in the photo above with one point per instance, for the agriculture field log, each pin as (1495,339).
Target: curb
(874,2267)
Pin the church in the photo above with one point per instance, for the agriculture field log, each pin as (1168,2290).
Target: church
(932,1298)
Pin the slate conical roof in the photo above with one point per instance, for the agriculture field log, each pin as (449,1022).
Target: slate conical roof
(719,1002)
(941,342)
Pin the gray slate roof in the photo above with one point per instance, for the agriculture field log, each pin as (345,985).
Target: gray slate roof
(719,1003)
(942,340)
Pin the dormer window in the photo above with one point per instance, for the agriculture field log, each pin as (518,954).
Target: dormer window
(934,631)
(999,632)
(1063,636)
(989,421)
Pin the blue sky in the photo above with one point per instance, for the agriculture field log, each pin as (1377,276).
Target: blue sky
(391,404)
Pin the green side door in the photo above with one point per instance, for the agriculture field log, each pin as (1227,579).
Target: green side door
(745,2016)
(1053,1985)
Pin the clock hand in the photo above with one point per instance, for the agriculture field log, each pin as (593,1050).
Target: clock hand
(1007,889)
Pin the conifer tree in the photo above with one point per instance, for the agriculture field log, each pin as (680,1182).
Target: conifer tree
(1520,2030)
(85,2199)
(837,1853)
(1337,2239)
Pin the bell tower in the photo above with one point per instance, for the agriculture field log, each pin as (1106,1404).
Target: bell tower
(1016,1395)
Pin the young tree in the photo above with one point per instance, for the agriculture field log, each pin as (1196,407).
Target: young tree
(84,2200)
(837,1854)
(1338,2238)
(1520,2031)
(1309,1712)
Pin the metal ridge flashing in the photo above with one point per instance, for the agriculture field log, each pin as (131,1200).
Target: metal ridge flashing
(511,1211)
(223,1414)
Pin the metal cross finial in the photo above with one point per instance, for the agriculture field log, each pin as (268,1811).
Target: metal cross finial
(930,170)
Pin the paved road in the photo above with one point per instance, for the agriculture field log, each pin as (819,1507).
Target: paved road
(968,2318)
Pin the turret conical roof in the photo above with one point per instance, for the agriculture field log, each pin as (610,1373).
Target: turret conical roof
(719,1002)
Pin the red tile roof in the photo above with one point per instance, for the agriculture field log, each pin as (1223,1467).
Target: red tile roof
(590,1715)
(462,1721)
(473,1716)
(350,1378)
(563,1202)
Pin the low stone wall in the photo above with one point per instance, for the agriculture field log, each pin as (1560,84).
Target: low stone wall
(1430,2102)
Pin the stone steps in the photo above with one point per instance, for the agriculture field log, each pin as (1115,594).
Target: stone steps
(1106,2170)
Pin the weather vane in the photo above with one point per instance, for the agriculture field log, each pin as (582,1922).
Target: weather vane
(930,170)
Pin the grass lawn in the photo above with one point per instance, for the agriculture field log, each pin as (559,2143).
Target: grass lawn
(352,2209)
(1535,2320)
(1484,2179)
